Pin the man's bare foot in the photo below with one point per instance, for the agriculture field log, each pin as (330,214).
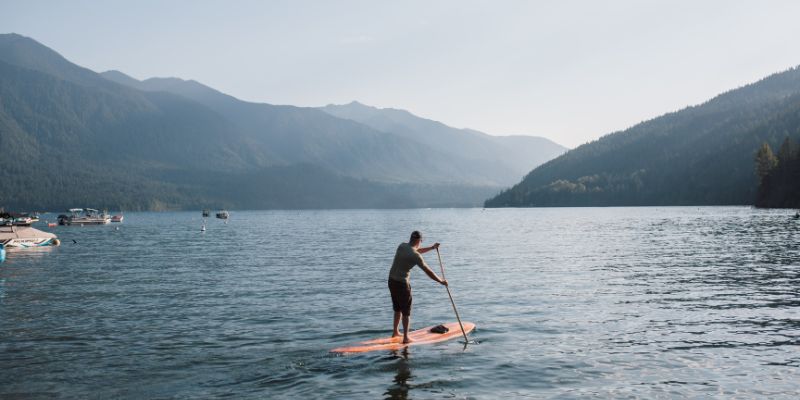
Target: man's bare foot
(406,340)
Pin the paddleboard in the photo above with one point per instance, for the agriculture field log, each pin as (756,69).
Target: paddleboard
(418,337)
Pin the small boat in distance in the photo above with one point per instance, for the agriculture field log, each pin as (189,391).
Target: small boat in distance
(118,217)
(222,214)
(23,221)
(84,216)
(206,213)
(18,219)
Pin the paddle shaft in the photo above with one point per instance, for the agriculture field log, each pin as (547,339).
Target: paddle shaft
(441,265)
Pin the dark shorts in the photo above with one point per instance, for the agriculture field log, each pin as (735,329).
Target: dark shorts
(401,296)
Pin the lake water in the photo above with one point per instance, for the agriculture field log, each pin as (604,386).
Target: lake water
(568,302)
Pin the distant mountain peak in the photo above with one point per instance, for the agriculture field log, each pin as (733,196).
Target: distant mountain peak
(357,106)
(172,79)
(353,105)
(25,52)
(190,88)
(117,73)
(120,77)
(17,37)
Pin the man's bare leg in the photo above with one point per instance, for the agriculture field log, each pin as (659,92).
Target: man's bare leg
(406,323)
(395,331)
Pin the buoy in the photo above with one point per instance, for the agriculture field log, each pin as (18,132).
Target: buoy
(203,229)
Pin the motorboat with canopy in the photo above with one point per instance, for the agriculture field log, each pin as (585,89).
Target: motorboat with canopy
(84,216)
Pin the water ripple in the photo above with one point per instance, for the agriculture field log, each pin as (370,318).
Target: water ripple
(658,302)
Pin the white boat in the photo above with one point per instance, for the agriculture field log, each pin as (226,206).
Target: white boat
(18,219)
(23,221)
(25,237)
(222,214)
(84,216)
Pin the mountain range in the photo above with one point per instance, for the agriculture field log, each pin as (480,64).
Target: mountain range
(72,137)
(700,155)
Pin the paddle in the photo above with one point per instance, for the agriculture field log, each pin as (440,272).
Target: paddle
(441,265)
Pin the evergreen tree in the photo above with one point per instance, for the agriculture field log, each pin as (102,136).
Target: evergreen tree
(787,151)
(765,161)
(779,187)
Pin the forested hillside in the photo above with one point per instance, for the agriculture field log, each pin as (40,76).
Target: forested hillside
(70,137)
(351,147)
(507,157)
(701,155)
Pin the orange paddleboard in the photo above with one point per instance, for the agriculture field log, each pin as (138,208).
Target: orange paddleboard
(418,337)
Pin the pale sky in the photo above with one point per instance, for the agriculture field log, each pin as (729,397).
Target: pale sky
(570,71)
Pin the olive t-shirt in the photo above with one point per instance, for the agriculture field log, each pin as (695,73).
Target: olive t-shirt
(405,258)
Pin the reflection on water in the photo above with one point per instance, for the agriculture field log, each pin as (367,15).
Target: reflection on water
(675,302)
(399,389)
(30,252)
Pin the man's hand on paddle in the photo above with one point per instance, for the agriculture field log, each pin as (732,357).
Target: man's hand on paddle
(443,282)
(423,250)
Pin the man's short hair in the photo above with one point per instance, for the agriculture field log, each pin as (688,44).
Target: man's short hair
(416,235)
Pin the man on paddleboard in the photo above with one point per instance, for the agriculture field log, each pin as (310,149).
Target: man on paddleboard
(407,256)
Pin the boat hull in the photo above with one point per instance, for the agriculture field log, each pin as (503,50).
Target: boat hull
(88,221)
(25,243)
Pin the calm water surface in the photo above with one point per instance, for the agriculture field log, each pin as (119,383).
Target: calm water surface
(614,302)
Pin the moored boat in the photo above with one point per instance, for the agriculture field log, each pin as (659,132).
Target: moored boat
(23,221)
(206,213)
(223,214)
(24,237)
(18,219)
(84,216)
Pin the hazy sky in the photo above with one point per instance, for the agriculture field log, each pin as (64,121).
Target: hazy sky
(571,71)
